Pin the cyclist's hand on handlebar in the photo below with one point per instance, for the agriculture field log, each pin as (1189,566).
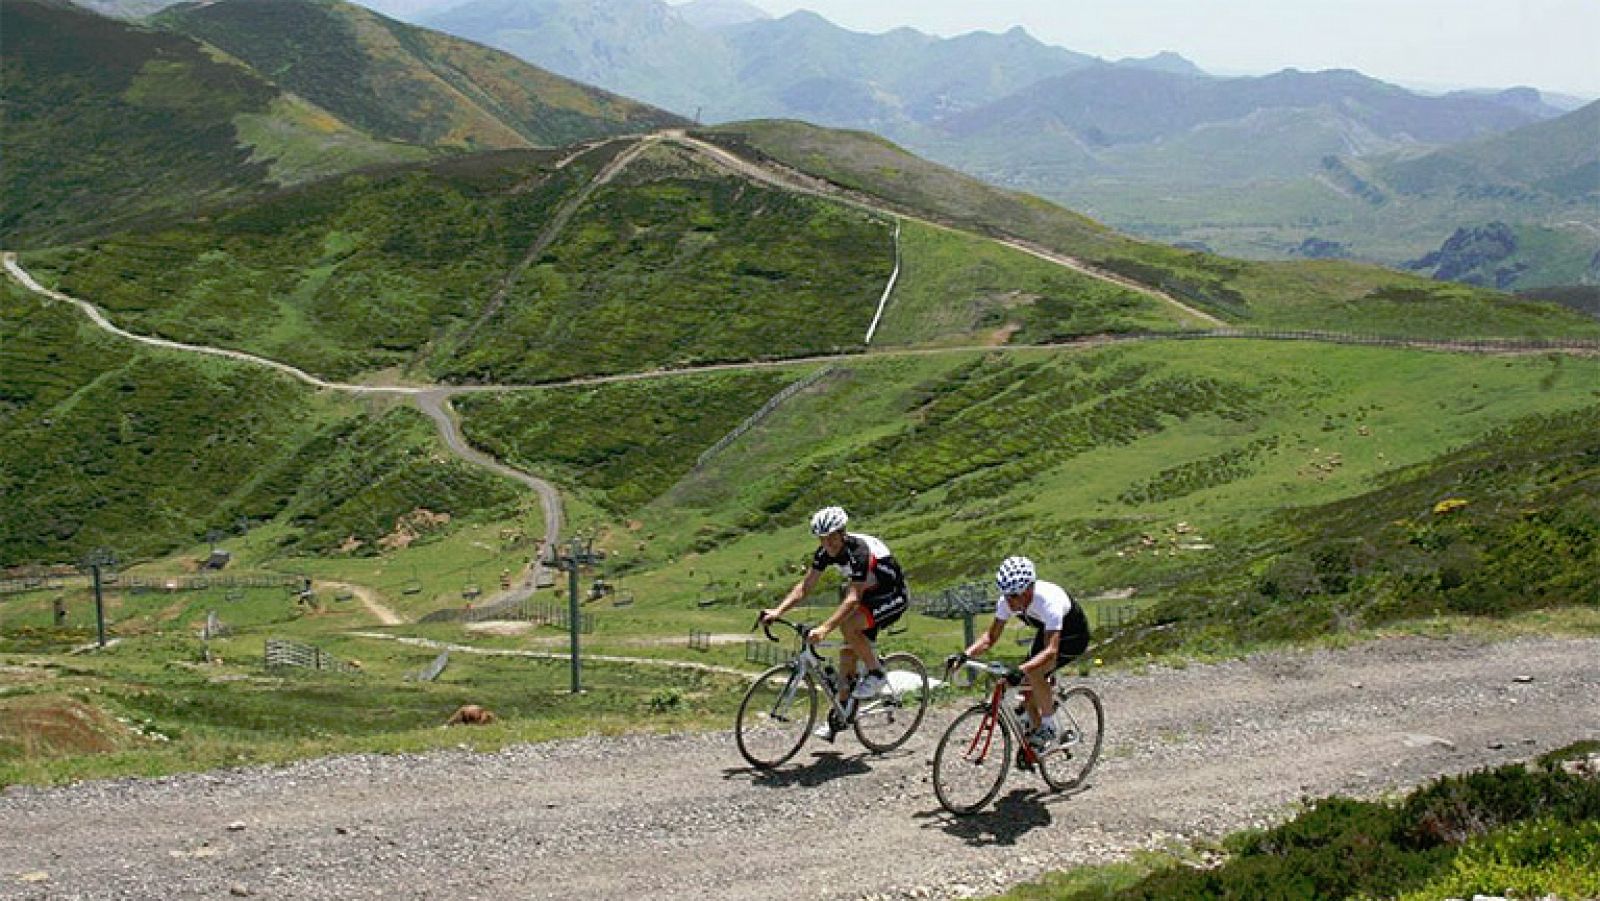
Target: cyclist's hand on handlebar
(1015,675)
(767,616)
(816,635)
(954,660)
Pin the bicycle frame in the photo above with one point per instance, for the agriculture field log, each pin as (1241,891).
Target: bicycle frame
(808,660)
(1001,713)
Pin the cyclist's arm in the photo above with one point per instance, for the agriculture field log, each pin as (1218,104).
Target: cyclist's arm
(1046,657)
(986,641)
(796,594)
(852,600)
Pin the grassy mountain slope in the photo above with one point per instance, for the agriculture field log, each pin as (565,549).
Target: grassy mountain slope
(1540,182)
(1560,157)
(106,121)
(144,452)
(110,123)
(1330,294)
(672,262)
(405,83)
(1087,460)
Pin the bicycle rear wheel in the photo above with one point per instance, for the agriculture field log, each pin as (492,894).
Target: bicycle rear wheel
(972,760)
(1081,723)
(885,722)
(775,716)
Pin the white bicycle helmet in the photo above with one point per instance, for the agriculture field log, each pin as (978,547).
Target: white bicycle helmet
(828,520)
(1015,575)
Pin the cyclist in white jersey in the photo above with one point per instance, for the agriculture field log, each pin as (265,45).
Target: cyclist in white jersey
(876,597)
(1061,633)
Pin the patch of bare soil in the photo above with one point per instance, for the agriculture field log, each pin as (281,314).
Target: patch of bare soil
(54,725)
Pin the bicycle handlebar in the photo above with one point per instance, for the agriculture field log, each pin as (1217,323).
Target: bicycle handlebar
(801,629)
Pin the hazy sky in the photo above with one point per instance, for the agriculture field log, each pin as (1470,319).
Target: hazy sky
(1549,44)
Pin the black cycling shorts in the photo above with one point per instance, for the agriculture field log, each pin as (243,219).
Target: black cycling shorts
(882,611)
(1069,649)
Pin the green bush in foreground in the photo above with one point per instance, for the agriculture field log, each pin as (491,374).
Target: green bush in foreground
(1526,831)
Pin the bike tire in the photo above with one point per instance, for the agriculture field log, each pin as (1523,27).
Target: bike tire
(889,720)
(1068,765)
(776,715)
(970,766)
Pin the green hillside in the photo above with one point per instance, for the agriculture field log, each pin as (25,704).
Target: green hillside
(1354,297)
(106,121)
(109,123)
(1540,182)
(1161,467)
(406,83)
(423,268)
(145,452)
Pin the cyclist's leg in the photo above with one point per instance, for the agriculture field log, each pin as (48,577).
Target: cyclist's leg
(879,613)
(855,629)
(1068,649)
(1040,702)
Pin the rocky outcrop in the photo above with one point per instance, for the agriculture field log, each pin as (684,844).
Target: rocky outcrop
(1477,255)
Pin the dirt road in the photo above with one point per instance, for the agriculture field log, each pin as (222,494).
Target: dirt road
(1191,752)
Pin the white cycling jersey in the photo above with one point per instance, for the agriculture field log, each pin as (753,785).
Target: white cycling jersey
(1048,610)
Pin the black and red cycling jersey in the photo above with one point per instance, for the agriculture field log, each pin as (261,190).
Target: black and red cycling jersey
(864,559)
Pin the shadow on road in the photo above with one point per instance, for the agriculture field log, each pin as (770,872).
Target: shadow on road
(1015,814)
(827,766)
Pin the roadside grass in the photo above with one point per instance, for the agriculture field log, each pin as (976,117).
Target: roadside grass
(1521,831)
(184,715)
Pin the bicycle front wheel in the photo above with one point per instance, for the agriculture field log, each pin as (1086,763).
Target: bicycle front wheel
(1080,725)
(972,760)
(885,722)
(775,716)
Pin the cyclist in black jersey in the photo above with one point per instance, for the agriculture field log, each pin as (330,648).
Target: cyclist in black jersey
(876,597)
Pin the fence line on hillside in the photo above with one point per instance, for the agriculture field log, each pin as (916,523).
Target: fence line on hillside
(283,653)
(766,409)
(1366,339)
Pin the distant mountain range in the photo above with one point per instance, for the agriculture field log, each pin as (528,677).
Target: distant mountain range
(1292,164)
(1258,166)
(107,121)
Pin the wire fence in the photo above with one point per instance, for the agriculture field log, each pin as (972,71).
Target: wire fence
(281,653)
(769,653)
(560,616)
(1370,339)
(766,409)
(432,670)
(142,584)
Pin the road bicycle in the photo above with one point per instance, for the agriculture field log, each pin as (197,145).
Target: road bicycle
(780,708)
(970,765)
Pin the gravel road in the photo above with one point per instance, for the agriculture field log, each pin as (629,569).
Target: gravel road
(1191,752)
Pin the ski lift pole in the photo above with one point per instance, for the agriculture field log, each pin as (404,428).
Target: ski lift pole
(99,606)
(572,612)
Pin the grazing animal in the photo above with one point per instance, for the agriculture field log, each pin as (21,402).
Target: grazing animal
(470,715)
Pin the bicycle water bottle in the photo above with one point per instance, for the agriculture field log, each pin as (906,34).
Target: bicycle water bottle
(831,676)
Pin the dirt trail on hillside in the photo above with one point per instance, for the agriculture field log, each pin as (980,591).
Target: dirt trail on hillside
(1191,752)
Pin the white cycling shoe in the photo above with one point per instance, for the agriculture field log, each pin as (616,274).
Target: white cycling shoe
(870,686)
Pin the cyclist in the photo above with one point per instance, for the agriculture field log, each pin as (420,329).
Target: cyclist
(1061,633)
(875,598)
